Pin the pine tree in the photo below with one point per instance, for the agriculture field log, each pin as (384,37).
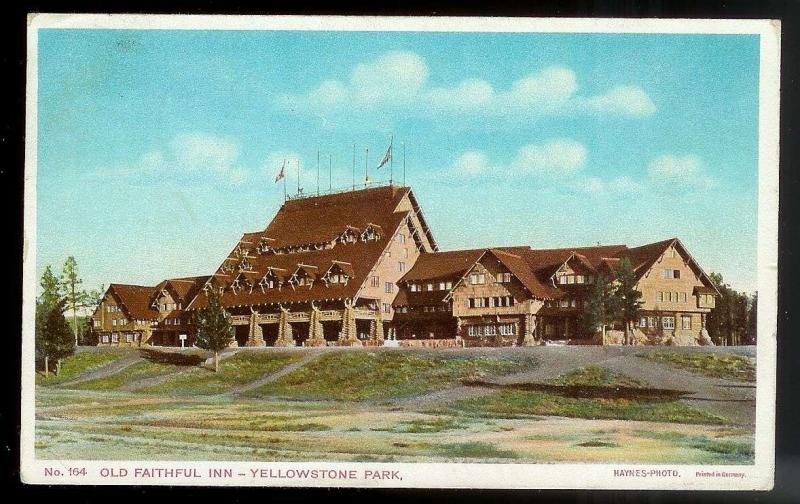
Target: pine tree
(752,320)
(76,298)
(628,300)
(597,309)
(54,339)
(214,329)
(51,287)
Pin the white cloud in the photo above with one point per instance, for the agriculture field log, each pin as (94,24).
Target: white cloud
(666,174)
(552,158)
(396,76)
(472,163)
(400,78)
(622,100)
(617,186)
(203,151)
(674,167)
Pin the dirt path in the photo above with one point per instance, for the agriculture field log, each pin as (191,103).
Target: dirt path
(153,381)
(104,371)
(270,377)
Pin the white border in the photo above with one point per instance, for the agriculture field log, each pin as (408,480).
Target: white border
(441,475)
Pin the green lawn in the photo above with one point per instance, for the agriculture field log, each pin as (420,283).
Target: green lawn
(242,368)
(137,371)
(513,403)
(726,366)
(356,376)
(79,363)
(519,403)
(597,376)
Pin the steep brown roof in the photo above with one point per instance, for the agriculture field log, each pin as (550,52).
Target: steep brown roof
(320,219)
(315,223)
(135,300)
(450,265)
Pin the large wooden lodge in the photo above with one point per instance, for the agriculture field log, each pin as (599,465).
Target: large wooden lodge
(362,268)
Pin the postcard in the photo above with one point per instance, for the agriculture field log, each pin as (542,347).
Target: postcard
(400,252)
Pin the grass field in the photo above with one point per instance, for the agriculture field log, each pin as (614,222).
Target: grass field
(363,405)
(729,367)
(78,364)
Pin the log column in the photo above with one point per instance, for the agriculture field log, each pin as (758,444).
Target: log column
(530,331)
(284,330)
(348,336)
(316,334)
(376,328)
(255,336)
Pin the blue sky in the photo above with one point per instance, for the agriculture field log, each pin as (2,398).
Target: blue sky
(157,149)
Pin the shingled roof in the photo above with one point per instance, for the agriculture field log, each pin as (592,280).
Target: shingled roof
(134,300)
(534,268)
(305,235)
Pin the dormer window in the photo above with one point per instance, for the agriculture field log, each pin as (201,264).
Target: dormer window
(245,265)
(350,235)
(339,273)
(271,280)
(371,233)
(304,275)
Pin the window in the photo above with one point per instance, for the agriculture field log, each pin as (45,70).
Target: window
(386,307)
(686,322)
(412,287)
(492,302)
(401,266)
(490,330)
(448,285)
(401,238)
(405,252)
(579,279)
(128,337)
(659,297)
(652,322)
(573,303)
(105,338)
(643,322)
(114,322)
(563,303)
(684,297)
(114,337)
(388,253)
(668,322)
(507,329)
(429,287)
(375,281)
(388,287)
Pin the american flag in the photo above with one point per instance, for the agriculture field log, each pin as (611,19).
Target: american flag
(281,174)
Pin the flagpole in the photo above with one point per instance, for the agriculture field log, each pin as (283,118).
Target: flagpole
(318,172)
(284,180)
(404,164)
(391,159)
(298,177)
(366,166)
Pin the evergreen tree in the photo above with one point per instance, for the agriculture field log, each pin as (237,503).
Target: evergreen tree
(628,300)
(214,329)
(54,339)
(75,296)
(729,323)
(597,308)
(51,287)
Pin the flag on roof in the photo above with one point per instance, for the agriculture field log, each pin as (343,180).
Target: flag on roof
(281,174)
(386,157)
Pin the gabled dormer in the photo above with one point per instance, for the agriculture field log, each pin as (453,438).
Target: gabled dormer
(351,234)
(372,232)
(265,245)
(303,276)
(274,278)
(242,282)
(576,270)
(339,273)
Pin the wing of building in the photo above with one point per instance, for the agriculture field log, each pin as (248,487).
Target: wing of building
(361,266)
(519,295)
